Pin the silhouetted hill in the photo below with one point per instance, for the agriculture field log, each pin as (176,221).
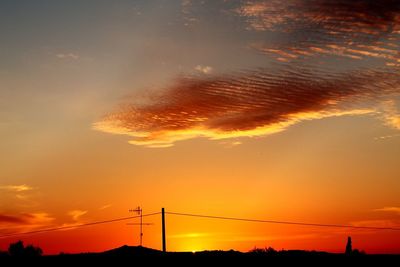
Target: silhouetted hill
(135,255)
(132,251)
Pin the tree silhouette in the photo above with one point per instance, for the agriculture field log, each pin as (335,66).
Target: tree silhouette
(31,251)
(264,251)
(17,249)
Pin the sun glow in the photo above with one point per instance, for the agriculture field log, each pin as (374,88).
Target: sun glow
(191,241)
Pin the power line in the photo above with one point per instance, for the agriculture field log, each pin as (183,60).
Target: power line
(76,226)
(284,222)
(201,216)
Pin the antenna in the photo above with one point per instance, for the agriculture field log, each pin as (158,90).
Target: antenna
(139,211)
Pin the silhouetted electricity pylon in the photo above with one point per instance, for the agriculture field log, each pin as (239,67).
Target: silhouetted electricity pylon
(139,211)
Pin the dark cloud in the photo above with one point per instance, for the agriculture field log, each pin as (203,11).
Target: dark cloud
(22,222)
(12,219)
(354,29)
(356,16)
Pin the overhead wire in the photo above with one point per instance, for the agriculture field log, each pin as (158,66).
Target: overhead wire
(77,225)
(284,222)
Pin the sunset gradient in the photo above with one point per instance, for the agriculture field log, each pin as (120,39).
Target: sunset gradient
(271,110)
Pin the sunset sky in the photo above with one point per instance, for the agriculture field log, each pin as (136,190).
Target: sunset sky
(283,110)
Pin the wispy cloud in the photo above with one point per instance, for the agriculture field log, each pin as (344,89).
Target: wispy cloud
(375,223)
(70,56)
(16,188)
(389,209)
(385,137)
(230,143)
(19,194)
(105,207)
(187,8)
(77,214)
(204,69)
(75,217)
(391,114)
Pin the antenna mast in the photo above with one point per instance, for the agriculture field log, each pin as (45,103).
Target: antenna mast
(139,211)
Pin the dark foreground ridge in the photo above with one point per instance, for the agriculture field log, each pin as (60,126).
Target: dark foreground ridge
(136,255)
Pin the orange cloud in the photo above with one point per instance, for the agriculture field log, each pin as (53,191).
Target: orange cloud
(246,104)
(76,214)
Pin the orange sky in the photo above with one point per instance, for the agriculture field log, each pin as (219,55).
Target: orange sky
(230,108)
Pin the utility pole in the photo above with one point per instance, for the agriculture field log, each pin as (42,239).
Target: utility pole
(164,246)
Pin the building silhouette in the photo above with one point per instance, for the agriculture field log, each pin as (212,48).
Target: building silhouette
(349,248)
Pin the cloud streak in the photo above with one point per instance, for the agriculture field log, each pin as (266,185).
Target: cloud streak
(395,210)
(376,223)
(16,188)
